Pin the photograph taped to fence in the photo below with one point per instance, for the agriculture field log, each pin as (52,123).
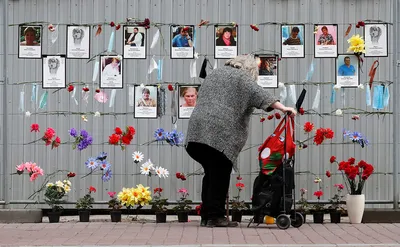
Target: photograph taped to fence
(267,71)
(29,41)
(325,40)
(146,101)
(134,42)
(54,75)
(292,41)
(347,71)
(187,99)
(226,42)
(78,42)
(376,40)
(111,72)
(182,41)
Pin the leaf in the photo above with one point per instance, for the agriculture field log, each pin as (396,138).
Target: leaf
(99,30)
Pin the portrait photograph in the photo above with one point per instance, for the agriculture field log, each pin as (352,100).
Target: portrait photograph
(292,41)
(226,41)
(135,38)
(78,42)
(267,71)
(54,75)
(376,40)
(182,42)
(325,40)
(145,101)
(29,41)
(347,70)
(187,99)
(111,72)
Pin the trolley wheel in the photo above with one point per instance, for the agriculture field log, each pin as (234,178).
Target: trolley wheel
(283,221)
(298,220)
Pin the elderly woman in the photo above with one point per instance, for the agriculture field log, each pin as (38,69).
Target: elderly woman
(30,37)
(218,129)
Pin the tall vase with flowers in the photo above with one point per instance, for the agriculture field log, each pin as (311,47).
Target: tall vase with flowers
(238,205)
(318,208)
(115,205)
(183,207)
(354,177)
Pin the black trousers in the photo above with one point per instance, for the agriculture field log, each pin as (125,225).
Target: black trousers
(217,174)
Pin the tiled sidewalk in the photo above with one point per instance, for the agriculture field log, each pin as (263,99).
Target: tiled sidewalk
(145,232)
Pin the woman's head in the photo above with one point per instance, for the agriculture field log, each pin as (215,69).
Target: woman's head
(324,30)
(190,95)
(227,33)
(30,35)
(146,93)
(245,62)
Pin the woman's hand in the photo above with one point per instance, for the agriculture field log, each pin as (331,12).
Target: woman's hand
(289,110)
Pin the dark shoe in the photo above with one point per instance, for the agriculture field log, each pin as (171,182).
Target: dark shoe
(221,222)
(203,222)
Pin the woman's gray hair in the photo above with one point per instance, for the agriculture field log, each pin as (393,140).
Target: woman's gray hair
(245,62)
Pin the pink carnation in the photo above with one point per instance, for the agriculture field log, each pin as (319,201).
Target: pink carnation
(182,190)
(111,194)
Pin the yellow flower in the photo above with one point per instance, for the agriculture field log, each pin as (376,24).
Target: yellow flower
(67,188)
(357,44)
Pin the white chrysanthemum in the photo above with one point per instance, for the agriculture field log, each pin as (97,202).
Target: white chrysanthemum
(164,172)
(339,112)
(97,114)
(67,182)
(59,184)
(28,114)
(158,171)
(361,86)
(137,156)
(49,184)
(146,167)
(336,87)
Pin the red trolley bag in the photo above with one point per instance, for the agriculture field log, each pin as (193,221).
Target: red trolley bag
(271,153)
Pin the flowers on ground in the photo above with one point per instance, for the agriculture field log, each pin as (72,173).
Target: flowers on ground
(122,138)
(114,203)
(130,197)
(82,141)
(87,201)
(158,203)
(236,203)
(33,170)
(55,192)
(183,202)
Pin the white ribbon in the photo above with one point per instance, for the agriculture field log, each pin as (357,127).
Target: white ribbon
(193,69)
(153,65)
(292,94)
(155,39)
(73,96)
(317,98)
(95,71)
(131,95)
(112,97)
(54,35)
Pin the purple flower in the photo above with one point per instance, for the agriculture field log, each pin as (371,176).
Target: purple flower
(107,175)
(355,136)
(72,132)
(102,156)
(104,165)
(174,138)
(92,163)
(159,134)
(84,133)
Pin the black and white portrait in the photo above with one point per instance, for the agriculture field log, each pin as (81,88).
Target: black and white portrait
(134,42)
(78,42)
(29,41)
(376,40)
(54,75)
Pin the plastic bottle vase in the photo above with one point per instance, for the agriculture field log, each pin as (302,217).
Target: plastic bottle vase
(269,220)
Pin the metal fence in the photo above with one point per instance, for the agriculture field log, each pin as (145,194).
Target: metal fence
(313,161)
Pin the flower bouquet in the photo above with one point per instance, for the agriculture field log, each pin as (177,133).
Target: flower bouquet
(31,167)
(319,137)
(82,141)
(122,138)
(84,205)
(183,207)
(100,164)
(53,197)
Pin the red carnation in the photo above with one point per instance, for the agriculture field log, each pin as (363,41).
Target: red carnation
(351,160)
(118,27)
(86,89)
(240,185)
(178,175)
(329,133)
(239,178)
(126,139)
(328,174)
(332,159)
(301,111)
(277,115)
(131,131)
(318,193)
(170,87)
(97,90)
(92,189)
(357,26)
(112,24)
(113,139)
(308,127)
(56,143)
(270,117)
(118,131)
(254,27)
(262,119)
(71,174)
(362,164)
(70,88)
(35,127)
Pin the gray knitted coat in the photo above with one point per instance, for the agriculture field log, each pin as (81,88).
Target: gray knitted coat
(226,100)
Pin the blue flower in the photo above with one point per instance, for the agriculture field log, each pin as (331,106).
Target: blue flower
(107,175)
(102,156)
(355,136)
(104,165)
(174,138)
(92,163)
(159,134)
(347,133)
(72,132)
